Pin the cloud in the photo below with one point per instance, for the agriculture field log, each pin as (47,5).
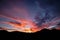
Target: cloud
(51,5)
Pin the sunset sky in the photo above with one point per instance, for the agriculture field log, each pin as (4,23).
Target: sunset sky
(17,10)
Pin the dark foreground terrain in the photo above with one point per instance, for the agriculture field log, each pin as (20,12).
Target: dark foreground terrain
(43,34)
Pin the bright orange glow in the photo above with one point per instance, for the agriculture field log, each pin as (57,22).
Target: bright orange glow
(28,26)
(25,26)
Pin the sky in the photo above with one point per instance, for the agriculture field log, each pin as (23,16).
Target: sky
(15,10)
